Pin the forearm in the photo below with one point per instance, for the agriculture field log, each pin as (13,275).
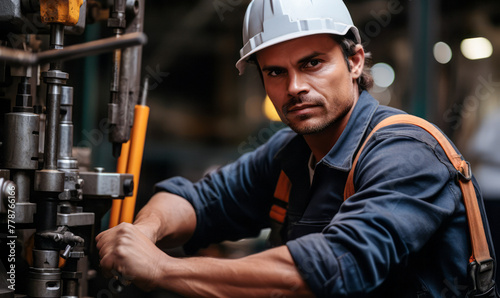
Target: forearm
(169,217)
(268,274)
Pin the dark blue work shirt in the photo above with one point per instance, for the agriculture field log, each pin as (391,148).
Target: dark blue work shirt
(403,234)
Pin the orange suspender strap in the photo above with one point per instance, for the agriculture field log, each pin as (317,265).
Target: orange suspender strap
(480,250)
(282,193)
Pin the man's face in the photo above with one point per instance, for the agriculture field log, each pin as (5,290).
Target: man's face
(308,81)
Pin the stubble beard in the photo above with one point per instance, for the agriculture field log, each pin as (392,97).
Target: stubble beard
(316,127)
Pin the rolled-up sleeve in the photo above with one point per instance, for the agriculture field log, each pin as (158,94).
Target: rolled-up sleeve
(405,193)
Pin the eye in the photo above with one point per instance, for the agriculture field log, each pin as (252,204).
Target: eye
(312,63)
(275,72)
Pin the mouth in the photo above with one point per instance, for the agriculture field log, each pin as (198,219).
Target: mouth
(299,109)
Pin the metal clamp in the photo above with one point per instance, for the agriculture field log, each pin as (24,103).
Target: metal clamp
(465,176)
(107,185)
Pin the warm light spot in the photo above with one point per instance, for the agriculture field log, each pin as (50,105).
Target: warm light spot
(269,110)
(476,48)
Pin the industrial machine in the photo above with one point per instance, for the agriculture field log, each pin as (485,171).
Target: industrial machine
(49,206)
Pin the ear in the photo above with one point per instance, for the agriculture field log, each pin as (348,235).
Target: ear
(357,62)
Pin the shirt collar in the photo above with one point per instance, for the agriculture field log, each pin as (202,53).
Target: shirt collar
(341,155)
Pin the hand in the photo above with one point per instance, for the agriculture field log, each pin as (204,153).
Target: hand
(127,250)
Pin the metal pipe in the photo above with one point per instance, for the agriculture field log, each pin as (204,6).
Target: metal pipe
(74,51)
(56,42)
(115,79)
(46,213)
(23,98)
(52,126)
(66,123)
(56,36)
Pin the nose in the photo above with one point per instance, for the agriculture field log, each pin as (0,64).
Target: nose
(297,84)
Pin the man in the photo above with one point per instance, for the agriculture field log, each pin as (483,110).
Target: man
(403,234)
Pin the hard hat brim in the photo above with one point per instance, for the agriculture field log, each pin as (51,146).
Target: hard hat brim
(243,61)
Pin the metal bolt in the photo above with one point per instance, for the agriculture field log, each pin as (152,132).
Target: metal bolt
(99,169)
(128,186)
(66,252)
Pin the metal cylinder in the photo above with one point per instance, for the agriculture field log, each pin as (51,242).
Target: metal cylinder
(45,258)
(6,193)
(70,279)
(70,288)
(52,126)
(51,181)
(56,42)
(65,156)
(46,216)
(54,79)
(67,104)
(21,141)
(24,100)
(23,181)
(65,141)
(56,36)
(44,282)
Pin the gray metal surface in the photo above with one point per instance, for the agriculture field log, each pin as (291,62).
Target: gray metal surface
(6,187)
(75,219)
(45,258)
(65,153)
(54,80)
(21,141)
(25,212)
(107,185)
(44,282)
(49,181)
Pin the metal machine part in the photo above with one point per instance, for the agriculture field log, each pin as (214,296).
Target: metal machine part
(126,79)
(72,52)
(44,282)
(23,17)
(22,135)
(100,184)
(36,142)
(65,159)
(5,192)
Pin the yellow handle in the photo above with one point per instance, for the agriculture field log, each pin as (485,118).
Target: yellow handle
(137,139)
(121,168)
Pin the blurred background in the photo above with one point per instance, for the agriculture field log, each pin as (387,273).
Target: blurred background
(435,59)
(438,59)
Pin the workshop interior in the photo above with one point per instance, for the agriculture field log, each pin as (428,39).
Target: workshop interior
(101,99)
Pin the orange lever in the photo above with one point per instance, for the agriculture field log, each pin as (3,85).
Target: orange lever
(137,139)
(121,168)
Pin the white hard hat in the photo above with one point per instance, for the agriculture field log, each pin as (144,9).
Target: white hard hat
(268,22)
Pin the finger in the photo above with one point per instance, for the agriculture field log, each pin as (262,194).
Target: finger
(107,265)
(100,239)
(104,237)
(104,247)
(104,251)
(100,235)
(109,231)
